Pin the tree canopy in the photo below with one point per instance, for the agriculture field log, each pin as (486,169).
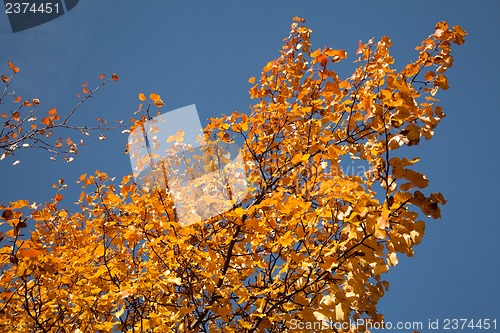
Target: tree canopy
(309,242)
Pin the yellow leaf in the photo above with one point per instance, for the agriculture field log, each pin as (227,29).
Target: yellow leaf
(175,280)
(316,53)
(383,221)
(392,258)
(99,252)
(82,177)
(113,198)
(178,137)
(268,67)
(119,313)
(245,324)
(19,204)
(239,211)
(296,158)
(340,312)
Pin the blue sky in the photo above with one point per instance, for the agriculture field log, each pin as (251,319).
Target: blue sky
(203,53)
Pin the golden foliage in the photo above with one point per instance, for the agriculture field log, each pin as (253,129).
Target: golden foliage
(309,242)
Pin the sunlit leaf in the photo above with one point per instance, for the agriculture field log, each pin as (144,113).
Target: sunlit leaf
(30,253)
(154,97)
(13,68)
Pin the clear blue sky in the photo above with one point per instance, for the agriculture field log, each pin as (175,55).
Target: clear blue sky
(203,53)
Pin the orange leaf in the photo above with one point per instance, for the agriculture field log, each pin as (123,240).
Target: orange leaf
(360,47)
(316,53)
(19,204)
(82,177)
(18,99)
(322,59)
(85,90)
(268,67)
(30,253)
(251,80)
(47,121)
(142,97)
(459,34)
(5,78)
(441,81)
(14,68)
(27,103)
(52,112)
(101,77)
(336,55)
(114,77)
(154,97)
(159,103)
(429,75)
(58,197)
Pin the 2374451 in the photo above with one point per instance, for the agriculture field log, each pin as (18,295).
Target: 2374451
(460,324)
(29,7)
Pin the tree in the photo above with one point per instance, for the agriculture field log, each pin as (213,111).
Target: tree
(306,248)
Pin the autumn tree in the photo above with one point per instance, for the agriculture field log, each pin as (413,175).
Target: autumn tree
(310,241)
